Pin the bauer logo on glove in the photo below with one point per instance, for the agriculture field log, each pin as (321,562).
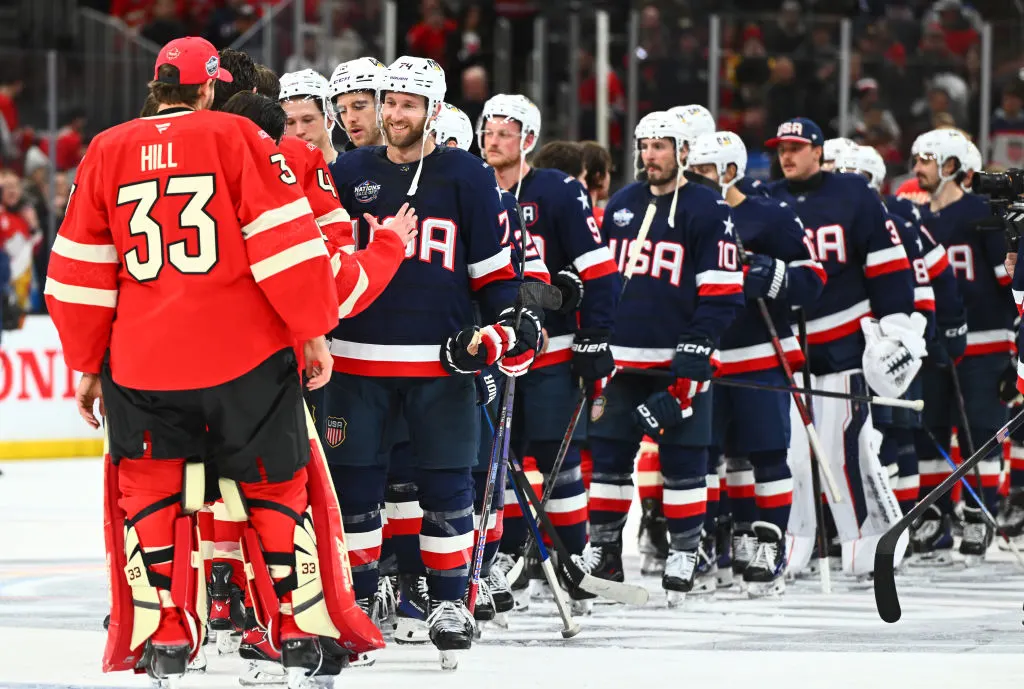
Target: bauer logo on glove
(894,348)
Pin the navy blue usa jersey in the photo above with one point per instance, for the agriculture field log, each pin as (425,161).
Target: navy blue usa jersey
(752,187)
(914,243)
(867,266)
(536,269)
(688,280)
(557,214)
(771,228)
(977,261)
(458,256)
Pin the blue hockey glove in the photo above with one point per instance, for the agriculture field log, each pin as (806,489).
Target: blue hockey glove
(765,278)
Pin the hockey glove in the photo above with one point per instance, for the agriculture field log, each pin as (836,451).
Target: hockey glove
(518,358)
(1008,393)
(571,287)
(695,359)
(486,387)
(591,355)
(669,408)
(765,278)
(894,348)
(953,339)
(473,349)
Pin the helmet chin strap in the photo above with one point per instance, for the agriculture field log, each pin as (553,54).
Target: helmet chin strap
(675,192)
(427,129)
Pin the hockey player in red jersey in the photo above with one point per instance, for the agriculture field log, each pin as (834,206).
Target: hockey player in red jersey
(179,298)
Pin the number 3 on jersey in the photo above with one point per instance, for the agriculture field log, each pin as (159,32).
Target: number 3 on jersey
(199,189)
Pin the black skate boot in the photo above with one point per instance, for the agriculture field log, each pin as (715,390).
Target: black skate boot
(705,580)
(765,575)
(723,546)
(483,611)
(165,665)
(744,545)
(307,665)
(678,577)
(411,612)
(1011,519)
(932,538)
(652,538)
(977,536)
(227,610)
(451,629)
(501,592)
(602,561)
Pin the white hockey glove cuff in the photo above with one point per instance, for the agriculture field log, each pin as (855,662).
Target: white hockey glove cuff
(894,348)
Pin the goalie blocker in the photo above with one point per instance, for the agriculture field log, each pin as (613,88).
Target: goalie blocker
(272,474)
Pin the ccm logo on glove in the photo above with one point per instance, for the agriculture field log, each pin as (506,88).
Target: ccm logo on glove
(694,348)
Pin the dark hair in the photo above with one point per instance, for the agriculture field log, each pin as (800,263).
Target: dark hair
(597,162)
(566,156)
(165,93)
(149,107)
(267,114)
(267,82)
(243,76)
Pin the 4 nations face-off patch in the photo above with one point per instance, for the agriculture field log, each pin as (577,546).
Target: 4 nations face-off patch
(335,434)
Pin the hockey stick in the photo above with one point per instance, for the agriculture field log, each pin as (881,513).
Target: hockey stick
(886,598)
(821,534)
(964,424)
(916,405)
(984,510)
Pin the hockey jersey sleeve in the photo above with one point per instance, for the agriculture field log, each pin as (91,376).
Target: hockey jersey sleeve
(924,294)
(949,305)
(994,248)
(587,250)
(805,274)
(361,276)
(82,277)
(889,279)
(332,219)
(711,244)
(287,253)
(492,275)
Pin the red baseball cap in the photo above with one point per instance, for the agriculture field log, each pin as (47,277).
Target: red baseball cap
(196,59)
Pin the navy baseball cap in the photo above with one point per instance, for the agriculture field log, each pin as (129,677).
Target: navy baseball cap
(798,129)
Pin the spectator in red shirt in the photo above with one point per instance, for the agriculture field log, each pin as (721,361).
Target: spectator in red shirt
(70,148)
(429,38)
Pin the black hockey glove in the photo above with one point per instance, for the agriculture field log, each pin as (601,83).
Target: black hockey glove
(518,359)
(695,359)
(571,287)
(667,409)
(949,343)
(1008,393)
(486,387)
(591,355)
(766,278)
(473,349)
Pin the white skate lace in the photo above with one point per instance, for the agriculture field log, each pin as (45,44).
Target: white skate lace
(590,558)
(496,579)
(448,615)
(680,564)
(764,557)
(503,563)
(744,548)
(975,532)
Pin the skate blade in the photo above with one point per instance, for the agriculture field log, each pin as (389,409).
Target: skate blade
(228,643)
(704,586)
(724,578)
(522,598)
(973,560)
(449,660)
(941,558)
(361,660)
(262,673)
(675,599)
(766,589)
(198,664)
(411,631)
(169,682)
(500,620)
(539,590)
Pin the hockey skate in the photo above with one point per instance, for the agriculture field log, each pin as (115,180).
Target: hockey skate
(765,575)
(679,575)
(977,538)
(744,546)
(198,664)
(932,539)
(602,561)
(1011,519)
(165,665)
(451,629)
(411,611)
(723,546)
(386,598)
(375,608)
(522,587)
(501,592)
(652,538)
(227,614)
(483,611)
(307,665)
(261,662)
(705,580)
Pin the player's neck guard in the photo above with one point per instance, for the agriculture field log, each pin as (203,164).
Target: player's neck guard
(812,183)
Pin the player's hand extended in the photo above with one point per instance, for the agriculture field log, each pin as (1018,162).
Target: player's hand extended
(319,362)
(404,224)
(88,392)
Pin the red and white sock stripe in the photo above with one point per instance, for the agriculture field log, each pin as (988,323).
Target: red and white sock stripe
(446,552)
(690,502)
(740,484)
(774,493)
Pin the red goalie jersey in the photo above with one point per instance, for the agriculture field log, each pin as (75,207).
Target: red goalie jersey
(188,253)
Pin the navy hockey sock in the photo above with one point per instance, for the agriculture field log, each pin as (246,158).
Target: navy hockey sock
(1016,464)
(446,534)
(404,514)
(360,496)
(611,489)
(724,499)
(909,482)
(773,487)
(739,479)
(567,507)
(685,470)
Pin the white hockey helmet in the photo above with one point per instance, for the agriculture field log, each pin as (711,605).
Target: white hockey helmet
(512,107)
(452,123)
(833,148)
(863,160)
(942,145)
(720,149)
(698,120)
(973,162)
(360,74)
(662,125)
(308,84)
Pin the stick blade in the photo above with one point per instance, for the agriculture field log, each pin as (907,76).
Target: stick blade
(540,294)
(628,594)
(887,600)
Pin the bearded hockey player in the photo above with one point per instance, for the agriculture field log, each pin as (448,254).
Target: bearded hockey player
(254,279)
(684,291)
(783,272)
(977,261)
(352,90)
(304,97)
(416,349)
(868,276)
(556,212)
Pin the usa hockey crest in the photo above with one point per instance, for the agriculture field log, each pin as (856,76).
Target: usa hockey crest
(366,191)
(335,434)
(597,408)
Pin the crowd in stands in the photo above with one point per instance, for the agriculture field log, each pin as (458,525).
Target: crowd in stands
(915,65)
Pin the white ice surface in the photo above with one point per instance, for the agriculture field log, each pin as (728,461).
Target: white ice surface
(961,628)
